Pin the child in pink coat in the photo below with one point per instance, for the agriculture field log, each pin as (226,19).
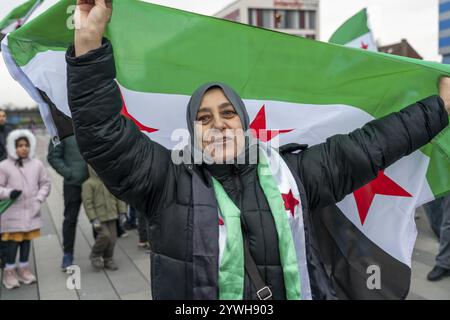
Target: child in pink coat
(25,179)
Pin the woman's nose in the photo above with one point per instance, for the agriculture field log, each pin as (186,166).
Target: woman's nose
(219,123)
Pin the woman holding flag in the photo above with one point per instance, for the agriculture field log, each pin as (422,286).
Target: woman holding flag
(238,224)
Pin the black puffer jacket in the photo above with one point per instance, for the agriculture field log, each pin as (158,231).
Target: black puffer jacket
(141,172)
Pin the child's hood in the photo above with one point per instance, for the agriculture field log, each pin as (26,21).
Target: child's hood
(17,134)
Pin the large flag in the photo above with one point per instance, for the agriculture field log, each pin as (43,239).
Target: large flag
(17,17)
(295,89)
(355,32)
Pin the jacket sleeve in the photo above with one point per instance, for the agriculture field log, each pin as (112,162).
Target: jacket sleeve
(88,196)
(55,158)
(121,207)
(133,167)
(345,163)
(4,191)
(44,184)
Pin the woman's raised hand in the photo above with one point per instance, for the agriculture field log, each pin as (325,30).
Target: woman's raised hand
(91,19)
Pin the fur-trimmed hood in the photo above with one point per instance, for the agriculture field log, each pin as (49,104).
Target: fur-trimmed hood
(11,142)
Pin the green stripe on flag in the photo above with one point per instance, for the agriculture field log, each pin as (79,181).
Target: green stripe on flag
(5,204)
(231,275)
(51,30)
(18,13)
(352,29)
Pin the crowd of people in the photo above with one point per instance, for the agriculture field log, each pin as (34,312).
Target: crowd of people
(25,185)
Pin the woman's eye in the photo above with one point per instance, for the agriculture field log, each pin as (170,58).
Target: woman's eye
(203,119)
(229,113)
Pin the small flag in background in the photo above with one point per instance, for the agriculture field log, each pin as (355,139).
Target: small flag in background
(295,90)
(17,17)
(355,33)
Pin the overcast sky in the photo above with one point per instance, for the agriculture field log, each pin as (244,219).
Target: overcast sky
(391,20)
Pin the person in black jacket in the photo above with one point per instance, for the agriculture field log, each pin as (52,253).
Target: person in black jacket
(141,172)
(66,159)
(5,129)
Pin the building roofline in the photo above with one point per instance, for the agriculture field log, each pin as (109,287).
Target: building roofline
(226,7)
(397,44)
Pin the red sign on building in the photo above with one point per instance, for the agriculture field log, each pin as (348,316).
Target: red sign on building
(295,4)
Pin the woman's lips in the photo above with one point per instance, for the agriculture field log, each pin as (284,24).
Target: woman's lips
(221,142)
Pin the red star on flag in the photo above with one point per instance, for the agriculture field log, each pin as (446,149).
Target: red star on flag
(364,46)
(290,202)
(381,185)
(259,126)
(221,223)
(126,114)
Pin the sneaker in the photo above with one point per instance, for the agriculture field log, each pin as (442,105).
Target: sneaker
(143,245)
(10,280)
(438,273)
(67,261)
(25,275)
(111,265)
(97,263)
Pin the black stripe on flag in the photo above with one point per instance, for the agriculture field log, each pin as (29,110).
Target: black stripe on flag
(63,123)
(347,254)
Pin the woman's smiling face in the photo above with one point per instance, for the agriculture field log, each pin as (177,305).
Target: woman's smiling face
(218,128)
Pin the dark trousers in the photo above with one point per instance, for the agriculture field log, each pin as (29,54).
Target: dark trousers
(132,216)
(120,230)
(105,241)
(12,249)
(142,227)
(3,248)
(72,203)
(434,211)
(438,213)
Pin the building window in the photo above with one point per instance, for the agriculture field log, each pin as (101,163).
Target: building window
(311,36)
(292,19)
(267,19)
(312,20)
(264,18)
(287,19)
(282,19)
(302,19)
(252,17)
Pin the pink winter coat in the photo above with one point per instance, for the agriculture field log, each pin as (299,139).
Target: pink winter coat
(32,179)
